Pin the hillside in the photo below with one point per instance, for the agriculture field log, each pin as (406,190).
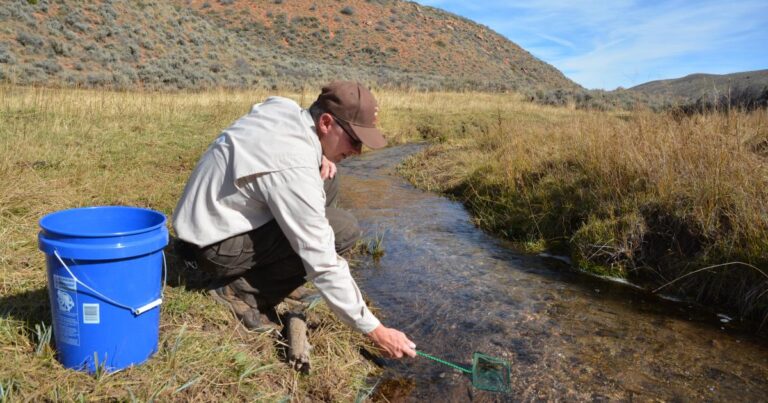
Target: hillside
(706,86)
(268,44)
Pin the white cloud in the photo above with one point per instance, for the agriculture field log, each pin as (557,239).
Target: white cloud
(559,41)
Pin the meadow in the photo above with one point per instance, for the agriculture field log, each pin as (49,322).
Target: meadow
(69,148)
(652,197)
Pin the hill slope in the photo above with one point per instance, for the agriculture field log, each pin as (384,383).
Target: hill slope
(705,86)
(235,43)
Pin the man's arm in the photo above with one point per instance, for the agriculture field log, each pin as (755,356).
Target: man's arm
(295,198)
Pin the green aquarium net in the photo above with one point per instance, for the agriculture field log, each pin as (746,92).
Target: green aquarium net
(488,373)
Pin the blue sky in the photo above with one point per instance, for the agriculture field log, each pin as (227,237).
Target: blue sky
(606,44)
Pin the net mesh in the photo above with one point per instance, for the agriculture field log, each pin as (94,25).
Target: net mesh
(489,373)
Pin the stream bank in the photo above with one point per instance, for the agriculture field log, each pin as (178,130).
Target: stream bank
(454,289)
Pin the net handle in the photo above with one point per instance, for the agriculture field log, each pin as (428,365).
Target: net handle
(452,365)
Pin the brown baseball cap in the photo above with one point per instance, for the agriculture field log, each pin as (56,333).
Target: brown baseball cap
(354,105)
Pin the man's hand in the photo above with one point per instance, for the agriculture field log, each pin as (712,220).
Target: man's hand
(327,169)
(392,342)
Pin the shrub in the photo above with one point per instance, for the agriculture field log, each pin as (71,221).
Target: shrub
(104,32)
(196,40)
(6,56)
(149,74)
(69,34)
(59,48)
(147,44)
(22,15)
(97,79)
(50,66)
(33,75)
(54,26)
(74,20)
(71,78)
(242,66)
(29,40)
(108,12)
(348,10)
(130,53)
(124,76)
(226,2)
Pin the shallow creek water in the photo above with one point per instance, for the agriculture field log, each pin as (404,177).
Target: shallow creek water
(454,290)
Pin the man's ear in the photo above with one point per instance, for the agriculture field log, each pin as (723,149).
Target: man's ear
(324,124)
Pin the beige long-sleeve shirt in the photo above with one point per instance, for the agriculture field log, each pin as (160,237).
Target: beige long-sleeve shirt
(264,167)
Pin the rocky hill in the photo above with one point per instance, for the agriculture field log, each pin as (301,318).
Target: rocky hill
(265,43)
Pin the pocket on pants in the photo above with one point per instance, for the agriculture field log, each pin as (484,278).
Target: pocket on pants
(226,258)
(231,246)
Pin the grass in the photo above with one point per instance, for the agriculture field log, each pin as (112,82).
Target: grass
(69,148)
(641,195)
(638,195)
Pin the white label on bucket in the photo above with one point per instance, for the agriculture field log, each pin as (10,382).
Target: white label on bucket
(65,316)
(91,314)
(64,300)
(64,283)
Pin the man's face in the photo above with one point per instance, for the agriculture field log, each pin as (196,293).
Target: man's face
(337,142)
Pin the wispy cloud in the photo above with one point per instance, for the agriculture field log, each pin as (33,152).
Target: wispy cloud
(559,41)
(626,42)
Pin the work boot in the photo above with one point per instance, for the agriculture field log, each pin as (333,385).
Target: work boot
(303,295)
(251,317)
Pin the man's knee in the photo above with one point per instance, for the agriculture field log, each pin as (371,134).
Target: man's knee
(345,228)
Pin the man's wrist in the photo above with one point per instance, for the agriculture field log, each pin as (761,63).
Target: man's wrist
(374,334)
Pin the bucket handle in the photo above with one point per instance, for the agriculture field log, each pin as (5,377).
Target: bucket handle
(136,311)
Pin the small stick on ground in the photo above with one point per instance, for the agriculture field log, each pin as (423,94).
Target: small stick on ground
(298,344)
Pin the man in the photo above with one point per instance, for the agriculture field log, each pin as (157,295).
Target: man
(259,209)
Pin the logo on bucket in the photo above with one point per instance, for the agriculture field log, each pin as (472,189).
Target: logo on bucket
(65,301)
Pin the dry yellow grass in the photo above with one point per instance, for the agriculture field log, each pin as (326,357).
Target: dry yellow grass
(63,148)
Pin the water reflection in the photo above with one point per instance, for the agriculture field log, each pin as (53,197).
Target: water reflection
(455,290)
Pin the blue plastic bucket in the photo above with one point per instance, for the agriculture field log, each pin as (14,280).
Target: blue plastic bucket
(105,269)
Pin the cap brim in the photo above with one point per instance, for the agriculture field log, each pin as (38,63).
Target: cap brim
(370,136)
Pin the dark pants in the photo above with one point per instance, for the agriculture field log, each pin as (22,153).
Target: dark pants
(264,257)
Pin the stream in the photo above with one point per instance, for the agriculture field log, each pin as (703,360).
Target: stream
(454,290)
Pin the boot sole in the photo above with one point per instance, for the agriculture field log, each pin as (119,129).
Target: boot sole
(221,300)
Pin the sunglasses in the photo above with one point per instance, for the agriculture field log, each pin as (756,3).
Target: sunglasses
(356,143)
